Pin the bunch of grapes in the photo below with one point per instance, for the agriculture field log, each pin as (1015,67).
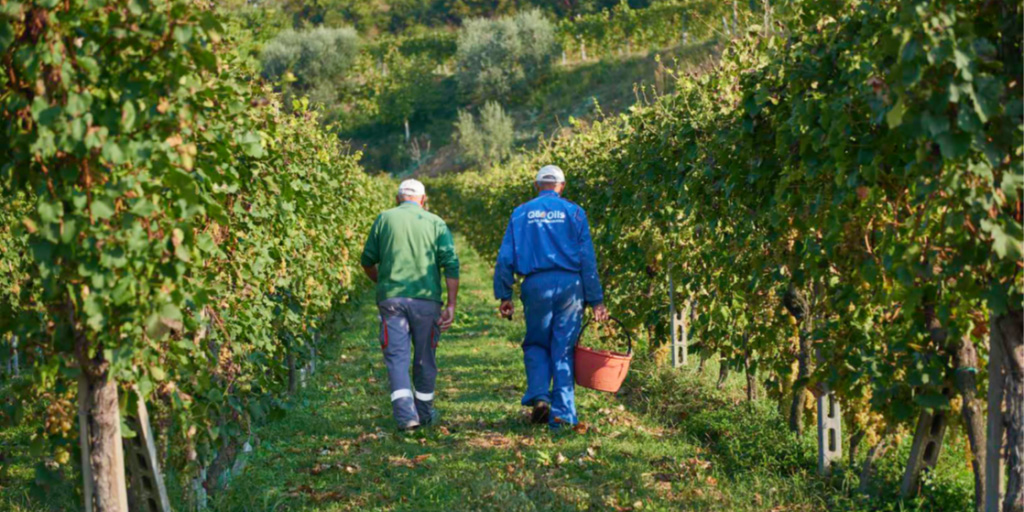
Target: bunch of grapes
(60,414)
(867,420)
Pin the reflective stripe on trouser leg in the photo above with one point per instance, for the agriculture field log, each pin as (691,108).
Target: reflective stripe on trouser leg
(400,394)
(423,318)
(397,356)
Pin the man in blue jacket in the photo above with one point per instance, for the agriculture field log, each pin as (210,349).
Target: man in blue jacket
(548,242)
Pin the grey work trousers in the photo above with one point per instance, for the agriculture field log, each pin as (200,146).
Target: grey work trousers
(409,333)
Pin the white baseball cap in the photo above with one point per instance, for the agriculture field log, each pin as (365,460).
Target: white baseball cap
(550,174)
(411,188)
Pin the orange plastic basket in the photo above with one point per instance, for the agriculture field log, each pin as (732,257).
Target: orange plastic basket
(602,370)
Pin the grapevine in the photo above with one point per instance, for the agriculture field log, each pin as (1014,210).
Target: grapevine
(172,231)
(865,160)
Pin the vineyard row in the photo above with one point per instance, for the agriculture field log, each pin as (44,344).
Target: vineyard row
(839,204)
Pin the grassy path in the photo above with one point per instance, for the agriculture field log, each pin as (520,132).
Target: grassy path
(337,449)
(670,441)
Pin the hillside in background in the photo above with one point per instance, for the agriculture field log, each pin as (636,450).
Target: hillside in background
(407,83)
(400,16)
(583,91)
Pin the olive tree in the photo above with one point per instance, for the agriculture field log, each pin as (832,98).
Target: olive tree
(500,57)
(490,141)
(318,59)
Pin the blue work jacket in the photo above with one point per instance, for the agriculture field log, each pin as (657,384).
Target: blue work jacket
(547,233)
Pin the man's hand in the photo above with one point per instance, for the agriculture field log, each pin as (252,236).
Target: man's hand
(507,309)
(447,317)
(601,313)
(371,272)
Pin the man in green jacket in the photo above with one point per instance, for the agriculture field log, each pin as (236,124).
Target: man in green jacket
(404,254)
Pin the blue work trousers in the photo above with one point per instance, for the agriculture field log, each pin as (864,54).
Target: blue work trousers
(553,307)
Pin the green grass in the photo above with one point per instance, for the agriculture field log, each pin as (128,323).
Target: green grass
(26,488)
(669,441)
(339,450)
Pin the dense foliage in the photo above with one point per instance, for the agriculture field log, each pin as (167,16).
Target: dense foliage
(498,58)
(166,224)
(623,27)
(849,184)
(489,141)
(402,15)
(317,62)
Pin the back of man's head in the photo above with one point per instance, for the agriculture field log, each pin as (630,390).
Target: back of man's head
(550,174)
(550,177)
(411,190)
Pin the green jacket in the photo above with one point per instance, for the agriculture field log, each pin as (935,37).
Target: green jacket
(411,246)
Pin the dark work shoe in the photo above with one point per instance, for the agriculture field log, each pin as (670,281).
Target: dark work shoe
(541,412)
(408,426)
(434,419)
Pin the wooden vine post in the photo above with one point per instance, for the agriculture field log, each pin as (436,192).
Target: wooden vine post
(994,483)
(1004,459)
(797,304)
(99,427)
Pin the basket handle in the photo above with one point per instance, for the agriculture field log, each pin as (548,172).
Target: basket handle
(629,337)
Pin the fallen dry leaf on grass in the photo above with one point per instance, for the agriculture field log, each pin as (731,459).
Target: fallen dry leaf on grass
(401,461)
(319,468)
(369,436)
(490,440)
(406,462)
(316,496)
(664,462)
